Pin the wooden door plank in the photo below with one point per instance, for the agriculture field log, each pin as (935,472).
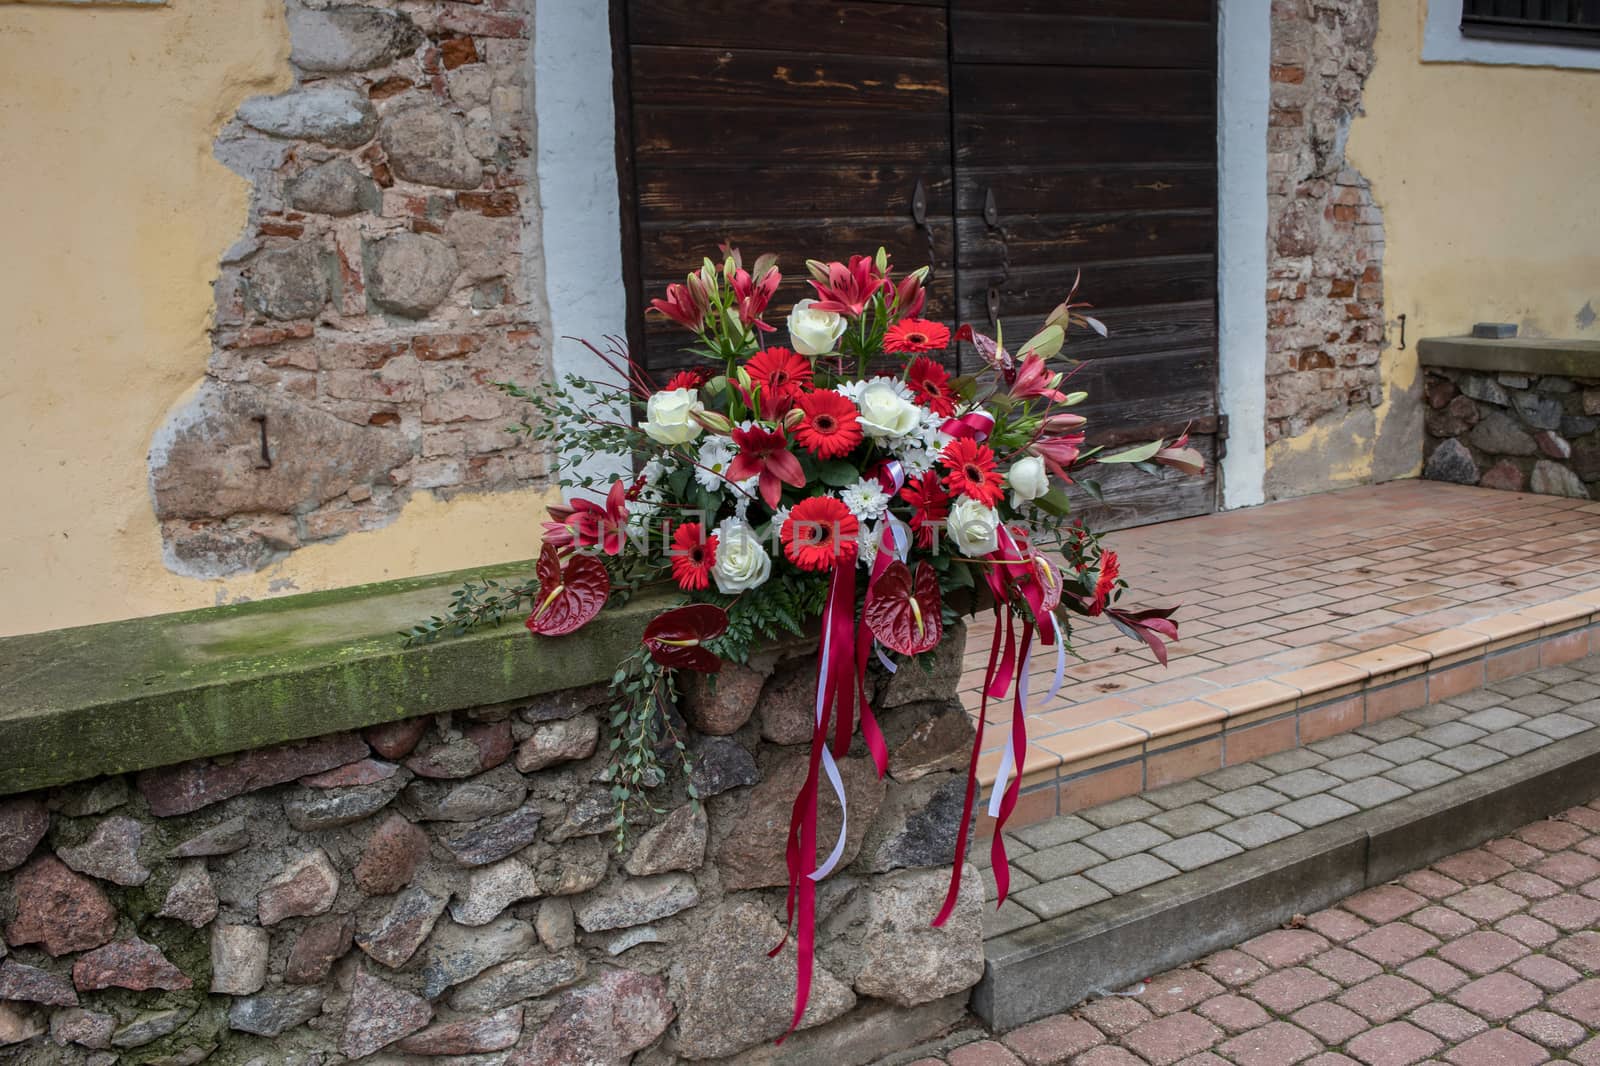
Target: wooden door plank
(911,29)
(1041,239)
(720,78)
(1074,40)
(665,136)
(795,191)
(1088,187)
(1021,89)
(1027,141)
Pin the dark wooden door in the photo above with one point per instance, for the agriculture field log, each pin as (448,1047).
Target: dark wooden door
(790,126)
(1049,137)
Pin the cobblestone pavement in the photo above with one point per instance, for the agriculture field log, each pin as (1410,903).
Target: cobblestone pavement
(1490,957)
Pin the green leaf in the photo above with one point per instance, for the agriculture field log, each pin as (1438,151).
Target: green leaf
(839,473)
(1133,455)
(1047,342)
(1092,488)
(1055,502)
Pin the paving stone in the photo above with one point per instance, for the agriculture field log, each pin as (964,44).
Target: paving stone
(1351,767)
(1061,896)
(1498,1047)
(1552,975)
(1368,792)
(1252,799)
(1434,714)
(1473,866)
(1316,810)
(1010,916)
(1285,947)
(1450,734)
(1236,777)
(1126,839)
(1233,968)
(1164,1041)
(1337,925)
(1498,997)
(1329,1022)
(1577,690)
(1469,757)
(1558,726)
(1394,943)
(1054,832)
(1436,975)
(1120,812)
(1115,1015)
(1550,1030)
(1258,829)
(1395,1044)
(1186,821)
(1131,873)
(1526,929)
(1388,729)
(1308,782)
(1183,793)
(1340,745)
(1515,741)
(1482,952)
(1062,861)
(1276,1042)
(1536,704)
(1512,687)
(1422,775)
(1384,998)
(1406,749)
(1385,903)
(1053,1040)
(1486,902)
(1287,762)
(1201,849)
(1448,1021)
(1345,966)
(1494,718)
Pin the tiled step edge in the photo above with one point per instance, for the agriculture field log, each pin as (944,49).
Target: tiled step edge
(1049,967)
(1164,745)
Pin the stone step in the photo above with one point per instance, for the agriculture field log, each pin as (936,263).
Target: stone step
(1111,894)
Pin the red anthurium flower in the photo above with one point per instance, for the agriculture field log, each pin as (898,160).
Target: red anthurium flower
(820,533)
(902,614)
(1058,453)
(693,555)
(930,505)
(780,372)
(677,638)
(1106,583)
(685,304)
(1050,583)
(692,378)
(971,472)
(604,526)
(1034,378)
(568,598)
(764,453)
(831,427)
(916,335)
(931,384)
(848,289)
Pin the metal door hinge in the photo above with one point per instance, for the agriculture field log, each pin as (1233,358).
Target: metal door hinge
(1222,436)
(919,204)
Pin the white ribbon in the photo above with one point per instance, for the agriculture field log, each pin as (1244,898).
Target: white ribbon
(1008,758)
(829,766)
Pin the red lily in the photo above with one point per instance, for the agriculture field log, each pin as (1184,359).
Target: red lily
(557,533)
(909,295)
(593,524)
(1033,378)
(1058,453)
(755,293)
(685,304)
(676,638)
(846,289)
(765,453)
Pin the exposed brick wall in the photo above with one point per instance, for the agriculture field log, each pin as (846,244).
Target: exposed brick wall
(1325,321)
(376,295)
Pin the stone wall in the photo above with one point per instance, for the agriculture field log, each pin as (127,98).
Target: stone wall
(1325,318)
(1523,432)
(447,889)
(378,292)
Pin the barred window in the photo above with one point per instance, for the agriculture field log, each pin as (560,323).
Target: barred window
(1569,22)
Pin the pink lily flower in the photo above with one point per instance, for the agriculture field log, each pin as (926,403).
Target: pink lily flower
(1035,379)
(1058,452)
(754,294)
(685,304)
(846,289)
(593,524)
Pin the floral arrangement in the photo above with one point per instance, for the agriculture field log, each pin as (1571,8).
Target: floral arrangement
(846,477)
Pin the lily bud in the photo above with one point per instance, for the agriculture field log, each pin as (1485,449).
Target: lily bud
(713,422)
(793,419)
(742,377)
(1075,398)
(1063,423)
(818,269)
(882,260)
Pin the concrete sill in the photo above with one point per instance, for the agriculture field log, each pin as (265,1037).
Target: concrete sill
(1564,358)
(123,696)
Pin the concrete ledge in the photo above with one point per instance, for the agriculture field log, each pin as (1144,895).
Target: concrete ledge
(1049,967)
(122,696)
(1567,358)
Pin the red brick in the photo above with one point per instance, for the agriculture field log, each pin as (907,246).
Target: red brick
(1566,648)
(1507,664)
(1384,903)
(458,51)
(1233,1013)
(1384,998)
(1285,947)
(1053,1040)
(983,1053)
(1498,1047)
(1497,997)
(1166,1040)
(1329,1022)
(1274,1044)
(1483,952)
(1394,943)
(1448,1021)
(1395,1044)
(1288,990)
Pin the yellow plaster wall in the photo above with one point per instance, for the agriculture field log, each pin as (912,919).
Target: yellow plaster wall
(114,214)
(1486,176)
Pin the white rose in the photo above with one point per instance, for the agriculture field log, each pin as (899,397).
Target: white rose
(885,412)
(1028,479)
(814,332)
(973,527)
(667,416)
(742,560)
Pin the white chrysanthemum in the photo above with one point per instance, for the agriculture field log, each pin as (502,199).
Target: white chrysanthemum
(715,455)
(917,461)
(851,390)
(867,545)
(866,500)
(930,433)
(653,471)
(743,494)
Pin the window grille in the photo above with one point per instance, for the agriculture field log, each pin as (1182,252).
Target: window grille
(1569,22)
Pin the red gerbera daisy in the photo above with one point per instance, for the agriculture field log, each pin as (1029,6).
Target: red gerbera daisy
(693,555)
(780,372)
(692,378)
(1106,583)
(916,335)
(971,472)
(931,384)
(930,505)
(820,533)
(830,428)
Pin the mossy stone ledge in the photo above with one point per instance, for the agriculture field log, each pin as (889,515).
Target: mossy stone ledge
(122,696)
